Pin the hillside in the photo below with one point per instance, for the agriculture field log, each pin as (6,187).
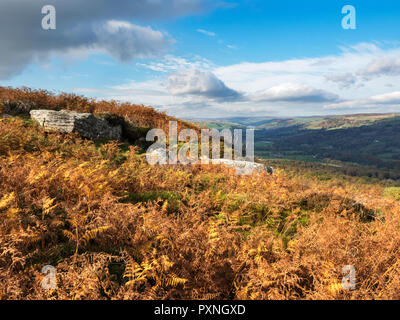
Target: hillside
(305,123)
(21,100)
(354,141)
(115,227)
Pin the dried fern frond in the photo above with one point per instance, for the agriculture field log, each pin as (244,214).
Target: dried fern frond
(6,200)
(92,234)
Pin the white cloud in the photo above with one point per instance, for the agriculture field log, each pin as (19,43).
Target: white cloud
(363,47)
(344,80)
(389,66)
(125,41)
(391,98)
(307,86)
(152,93)
(199,83)
(82,25)
(387,98)
(344,105)
(294,92)
(208,33)
(172,64)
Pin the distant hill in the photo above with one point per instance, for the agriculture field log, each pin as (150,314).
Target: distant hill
(363,139)
(314,122)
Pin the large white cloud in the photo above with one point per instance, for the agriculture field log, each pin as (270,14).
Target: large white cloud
(82,26)
(200,83)
(126,41)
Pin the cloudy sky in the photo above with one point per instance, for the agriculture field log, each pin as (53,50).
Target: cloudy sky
(205,59)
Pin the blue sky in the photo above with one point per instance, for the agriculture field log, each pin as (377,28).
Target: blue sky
(202,58)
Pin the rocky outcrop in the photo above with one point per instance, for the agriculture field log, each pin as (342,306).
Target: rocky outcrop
(130,132)
(85,124)
(244,167)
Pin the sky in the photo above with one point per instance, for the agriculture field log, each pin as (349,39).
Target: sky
(209,59)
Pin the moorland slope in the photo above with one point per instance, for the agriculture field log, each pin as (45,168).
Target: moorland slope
(115,227)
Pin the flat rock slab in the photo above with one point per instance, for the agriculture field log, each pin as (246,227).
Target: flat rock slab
(160,156)
(85,124)
(244,167)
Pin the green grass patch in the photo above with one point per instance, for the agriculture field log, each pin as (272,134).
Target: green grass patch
(392,192)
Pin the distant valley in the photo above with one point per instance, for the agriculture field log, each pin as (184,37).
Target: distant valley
(371,140)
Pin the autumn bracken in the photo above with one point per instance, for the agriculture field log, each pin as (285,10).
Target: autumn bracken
(115,227)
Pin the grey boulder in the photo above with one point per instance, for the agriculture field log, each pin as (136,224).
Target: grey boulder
(85,124)
(160,156)
(244,167)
